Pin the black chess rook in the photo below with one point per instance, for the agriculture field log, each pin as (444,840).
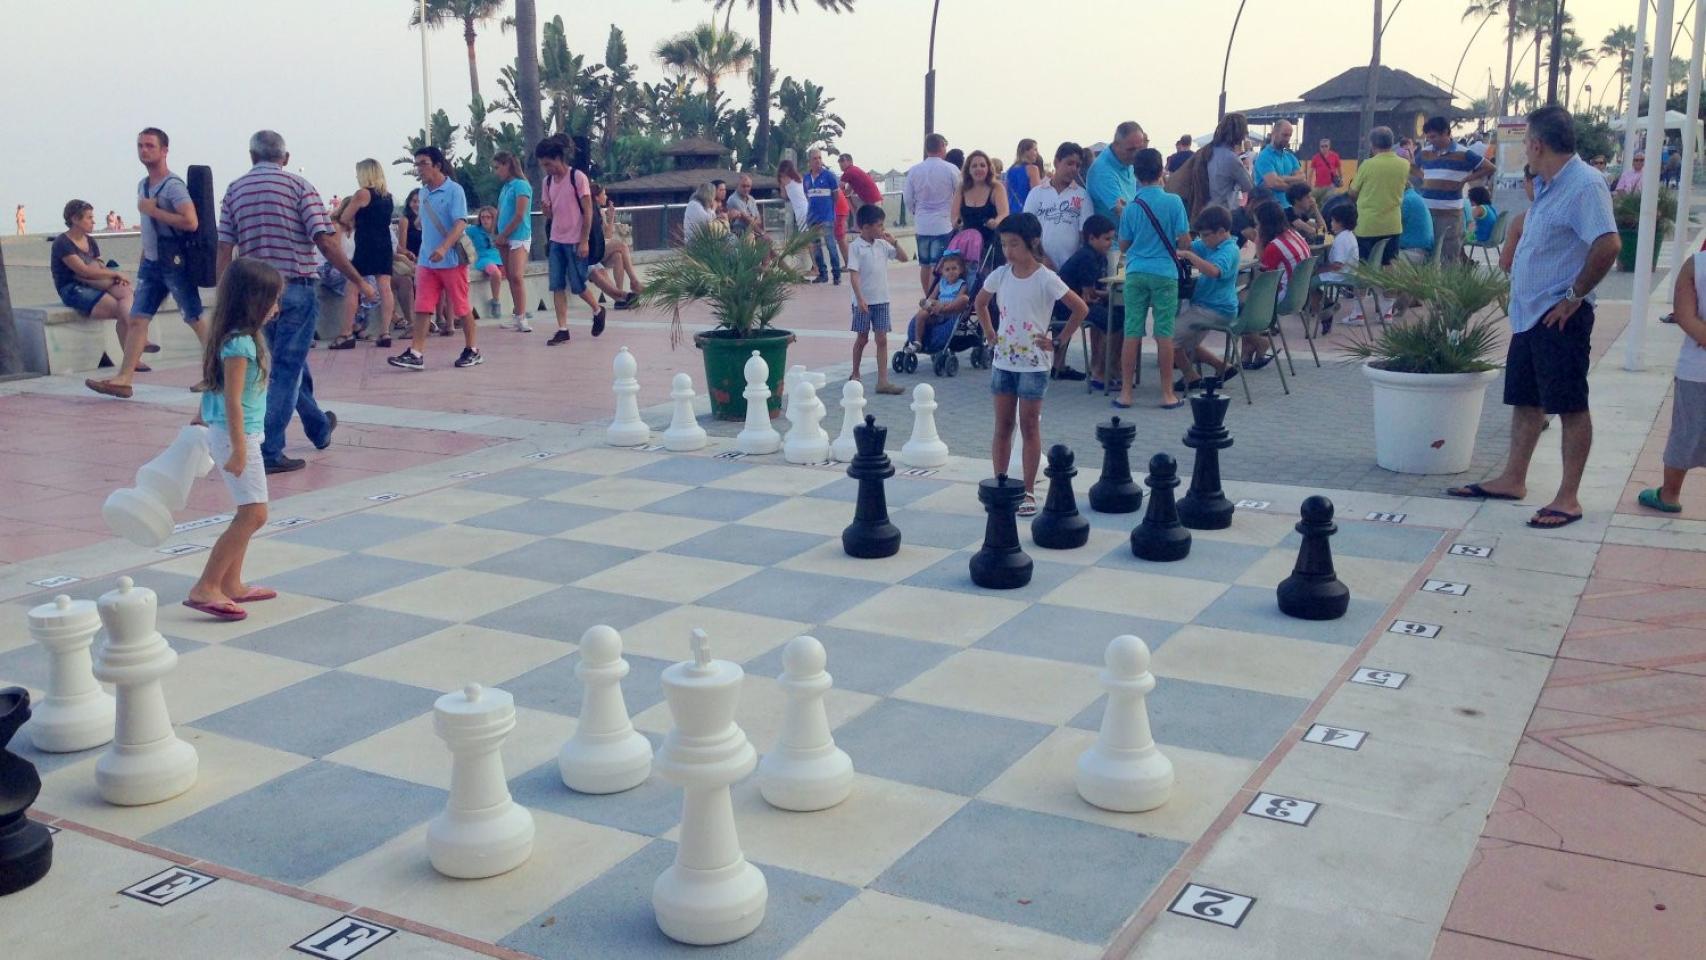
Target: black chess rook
(1161,537)
(1059,525)
(1204,506)
(1001,564)
(871,535)
(1314,591)
(1115,491)
(26,847)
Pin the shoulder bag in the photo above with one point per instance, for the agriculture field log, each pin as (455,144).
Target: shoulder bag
(463,247)
(1187,279)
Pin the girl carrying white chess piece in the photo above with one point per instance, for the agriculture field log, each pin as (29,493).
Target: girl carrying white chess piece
(234,369)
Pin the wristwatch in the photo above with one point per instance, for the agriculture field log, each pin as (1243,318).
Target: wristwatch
(1571,296)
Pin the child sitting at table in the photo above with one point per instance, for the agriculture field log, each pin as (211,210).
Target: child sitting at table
(1083,272)
(1341,257)
(1482,213)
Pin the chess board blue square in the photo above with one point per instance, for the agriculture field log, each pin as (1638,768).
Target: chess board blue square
(1071,634)
(530,482)
(1208,560)
(547,517)
(1256,610)
(338,635)
(653,808)
(554,686)
(709,503)
(692,471)
(953,572)
(741,543)
(897,493)
(866,662)
(936,747)
(564,613)
(791,595)
(351,576)
(1211,717)
(924,528)
(355,532)
(555,561)
(323,713)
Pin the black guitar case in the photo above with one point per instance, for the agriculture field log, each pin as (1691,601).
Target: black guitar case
(202,252)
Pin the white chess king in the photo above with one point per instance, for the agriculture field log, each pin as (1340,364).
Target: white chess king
(1124,771)
(482,831)
(76,714)
(605,754)
(143,514)
(806,771)
(146,763)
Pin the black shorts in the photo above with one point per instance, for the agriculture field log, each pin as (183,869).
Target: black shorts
(1365,246)
(1547,367)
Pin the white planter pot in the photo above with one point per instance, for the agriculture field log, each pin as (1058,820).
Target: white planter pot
(1426,422)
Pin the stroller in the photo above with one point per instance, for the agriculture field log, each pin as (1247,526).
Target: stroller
(946,338)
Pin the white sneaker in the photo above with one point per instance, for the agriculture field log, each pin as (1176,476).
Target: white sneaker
(523,325)
(510,324)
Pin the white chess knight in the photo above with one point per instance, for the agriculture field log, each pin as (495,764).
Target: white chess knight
(76,714)
(925,447)
(852,414)
(1124,771)
(806,441)
(482,831)
(143,514)
(806,771)
(758,436)
(605,754)
(791,376)
(684,431)
(146,763)
(627,429)
(711,894)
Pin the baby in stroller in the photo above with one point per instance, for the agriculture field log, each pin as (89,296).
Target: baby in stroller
(949,301)
(944,325)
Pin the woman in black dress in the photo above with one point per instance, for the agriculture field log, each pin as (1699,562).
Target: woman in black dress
(367,214)
(981,203)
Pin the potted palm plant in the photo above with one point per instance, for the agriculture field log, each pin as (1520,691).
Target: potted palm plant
(1626,209)
(1431,368)
(745,280)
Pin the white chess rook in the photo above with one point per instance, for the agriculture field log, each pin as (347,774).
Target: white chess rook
(806,441)
(627,429)
(852,414)
(146,763)
(806,771)
(924,448)
(758,436)
(711,894)
(1124,771)
(482,831)
(76,713)
(605,754)
(684,431)
(143,514)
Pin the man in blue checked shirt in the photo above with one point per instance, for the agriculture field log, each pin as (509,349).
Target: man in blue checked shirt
(820,187)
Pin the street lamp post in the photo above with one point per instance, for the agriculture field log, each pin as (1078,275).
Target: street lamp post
(930,74)
(1227,63)
(426,92)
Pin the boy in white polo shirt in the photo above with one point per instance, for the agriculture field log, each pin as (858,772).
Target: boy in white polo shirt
(868,259)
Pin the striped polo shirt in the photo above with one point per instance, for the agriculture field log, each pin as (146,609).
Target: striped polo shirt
(274,215)
(1443,175)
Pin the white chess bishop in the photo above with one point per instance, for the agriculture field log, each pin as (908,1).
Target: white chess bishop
(806,771)
(76,713)
(684,431)
(758,436)
(806,441)
(146,763)
(626,429)
(711,894)
(605,754)
(1124,771)
(482,831)
(143,514)
(925,447)
(852,414)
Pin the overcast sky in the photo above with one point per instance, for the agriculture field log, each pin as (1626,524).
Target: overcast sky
(341,79)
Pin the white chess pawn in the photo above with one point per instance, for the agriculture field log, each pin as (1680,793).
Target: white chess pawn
(806,442)
(143,514)
(806,771)
(627,429)
(76,713)
(711,894)
(482,831)
(924,448)
(852,414)
(758,436)
(605,754)
(146,763)
(1124,771)
(684,431)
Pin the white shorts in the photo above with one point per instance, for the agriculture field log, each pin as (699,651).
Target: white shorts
(520,244)
(251,485)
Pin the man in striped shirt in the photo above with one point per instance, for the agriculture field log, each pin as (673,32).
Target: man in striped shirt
(1446,167)
(276,217)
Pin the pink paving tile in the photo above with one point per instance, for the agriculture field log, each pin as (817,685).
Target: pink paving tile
(1565,812)
(1460,946)
(1624,693)
(1565,902)
(1678,649)
(1664,756)
(1535,753)
(1621,600)
(1677,568)
(20,540)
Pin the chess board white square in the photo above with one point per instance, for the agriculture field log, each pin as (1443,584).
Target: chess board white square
(942,616)
(451,658)
(668,577)
(735,636)
(618,493)
(452,545)
(1006,685)
(1151,595)
(760,711)
(412,751)
(639,531)
(450,505)
(831,558)
(1293,668)
(456,594)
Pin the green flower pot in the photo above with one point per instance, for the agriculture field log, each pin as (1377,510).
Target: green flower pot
(725,368)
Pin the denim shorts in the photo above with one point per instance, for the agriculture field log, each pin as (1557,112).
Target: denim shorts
(154,281)
(568,269)
(1029,385)
(875,317)
(80,297)
(931,247)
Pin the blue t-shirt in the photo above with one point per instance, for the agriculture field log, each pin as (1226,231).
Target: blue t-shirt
(449,205)
(254,390)
(820,196)
(1109,181)
(485,247)
(1418,233)
(1219,294)
(1018,185)
(1274,160)
(946,291)
(1484,223)
(519,187)
(1144,251)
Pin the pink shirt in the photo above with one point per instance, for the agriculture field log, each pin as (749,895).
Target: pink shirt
(562,204)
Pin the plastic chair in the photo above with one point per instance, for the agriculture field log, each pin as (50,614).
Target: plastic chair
(1292,305)
(1495,240)
(1255,316)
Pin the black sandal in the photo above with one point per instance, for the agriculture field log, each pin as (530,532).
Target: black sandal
(342,343)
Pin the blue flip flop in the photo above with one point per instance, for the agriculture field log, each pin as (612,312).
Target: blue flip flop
(1176,404)
(1122,406)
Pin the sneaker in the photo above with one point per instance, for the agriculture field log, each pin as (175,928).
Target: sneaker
(512,323)
(285,464)
(561,336)
(469,358)
(407,360)
(598,322)
(628,300)
(1352,321)
(1067,373)
(494,308)
(821,279)
(523,325)
(331,425)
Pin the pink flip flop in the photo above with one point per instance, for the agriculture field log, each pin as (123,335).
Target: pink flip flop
(256,595)
(219,611)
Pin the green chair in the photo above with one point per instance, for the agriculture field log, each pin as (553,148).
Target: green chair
(1292,305)
(1495,240)
(1255,316)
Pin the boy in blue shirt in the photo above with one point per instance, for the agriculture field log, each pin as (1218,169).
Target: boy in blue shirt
(1214,254)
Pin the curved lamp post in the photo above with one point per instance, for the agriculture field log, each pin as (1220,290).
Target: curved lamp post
(930,75)
(1227,63)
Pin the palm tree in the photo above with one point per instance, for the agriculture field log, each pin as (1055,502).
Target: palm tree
(1619,42)
(1521,95)
(1492,8)
(1572,53)
(762,81)
(470,13)
(806,120)
(706,54)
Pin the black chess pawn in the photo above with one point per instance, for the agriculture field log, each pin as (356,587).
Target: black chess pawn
(1059,525)
(1161,537)
(1314,591)
(26,847)
(1204,506)
(871,535)
(1115,491)
(1001,564)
